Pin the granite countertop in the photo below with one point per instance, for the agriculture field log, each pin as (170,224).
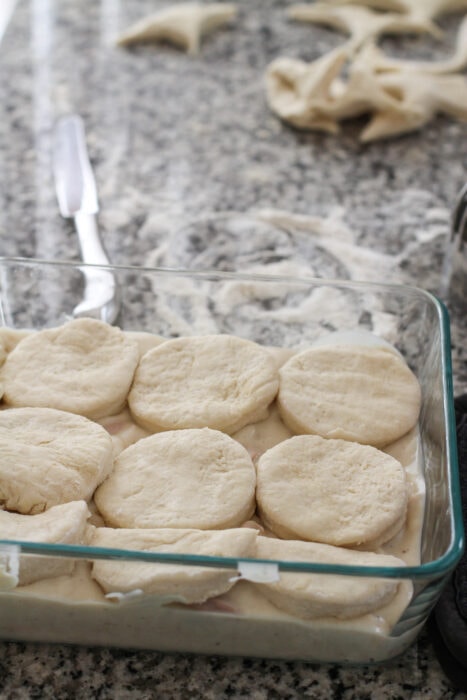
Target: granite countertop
(174,139)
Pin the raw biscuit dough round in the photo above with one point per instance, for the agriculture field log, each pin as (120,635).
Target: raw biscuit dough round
(85,366)
(360,393)
(216,381)
(310,596)
(64,524)
(186,584)
(331,491)
(50,457)
(195,478)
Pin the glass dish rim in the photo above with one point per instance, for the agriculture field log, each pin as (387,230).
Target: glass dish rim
(433,569)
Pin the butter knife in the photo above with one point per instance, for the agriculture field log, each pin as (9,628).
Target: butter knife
(77,199)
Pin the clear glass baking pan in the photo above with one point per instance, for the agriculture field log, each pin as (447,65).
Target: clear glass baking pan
(272,311)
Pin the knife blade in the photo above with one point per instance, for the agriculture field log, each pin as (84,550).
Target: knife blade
(76,191)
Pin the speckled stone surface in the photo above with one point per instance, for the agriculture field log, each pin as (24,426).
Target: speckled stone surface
(174,139)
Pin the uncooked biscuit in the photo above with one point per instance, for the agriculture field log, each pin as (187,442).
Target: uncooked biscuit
(310,595)
(186,584)
(262,435)
(360,393)
(196,478)
(331,491)
(50,457)
(217,381)
(123,430)
(85,366)
(64,524)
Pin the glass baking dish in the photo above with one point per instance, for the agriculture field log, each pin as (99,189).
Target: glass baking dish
(272,311)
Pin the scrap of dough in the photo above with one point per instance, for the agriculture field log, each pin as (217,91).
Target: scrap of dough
(172,582)
(50,457)
(198,478)
(361,23)
(420,9)
(218,381)
(85,366)
(422,97)
(293,86)
(361,393)
(311,596)
(184,25)
(331,491)
(63,524)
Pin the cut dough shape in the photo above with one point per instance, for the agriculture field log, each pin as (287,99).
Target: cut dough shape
(63,524)
(184,25)
(146,341)
(261,436)
(360,22)
(50,457)
(218,381)
(311,596)
(199,479)
(331,491)
(360,393)
(123,430)
(174,583)
(85,366)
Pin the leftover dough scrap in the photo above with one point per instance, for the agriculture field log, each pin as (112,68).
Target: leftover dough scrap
(84,366)
(63,524)
(311,596)
(50,457)
(198,478)
(331,491)
(174,583)
(184,25)
(360,22)
(421,97)
(360,393)
(421,9)
(217,381)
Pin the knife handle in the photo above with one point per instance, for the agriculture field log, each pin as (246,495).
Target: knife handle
(92,250)
(100,296)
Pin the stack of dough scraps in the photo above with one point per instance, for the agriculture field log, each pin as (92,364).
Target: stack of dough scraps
(358,79)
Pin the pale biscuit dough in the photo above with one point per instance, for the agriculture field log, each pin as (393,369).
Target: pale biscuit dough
(312,596)
(262,435)
(146,341)
(218,381)
(85,366)
(186,584)
(50,457)
(365,394)
(197,478)
(64,524)
(331,491)
(123,430)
